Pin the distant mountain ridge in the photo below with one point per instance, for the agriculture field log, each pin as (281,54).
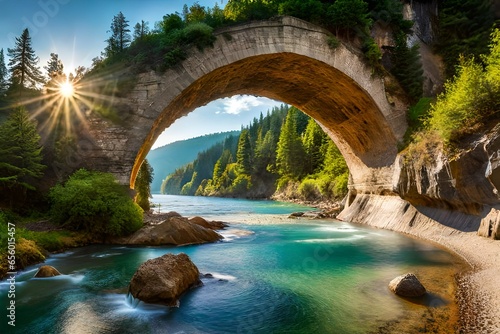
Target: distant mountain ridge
(166,159)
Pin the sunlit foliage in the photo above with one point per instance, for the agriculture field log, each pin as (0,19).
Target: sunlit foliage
(143,185)
(94,202)
(471,97)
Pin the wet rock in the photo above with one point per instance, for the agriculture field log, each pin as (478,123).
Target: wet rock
(208,275)
(296,215)
(175,230)
(47,271)
(164,279)
(214,225)
(407,285)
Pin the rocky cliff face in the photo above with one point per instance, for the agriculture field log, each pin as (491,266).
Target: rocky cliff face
(424,15)
(467,182)
(461,192)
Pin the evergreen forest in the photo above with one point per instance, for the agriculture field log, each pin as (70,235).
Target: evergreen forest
(284,153)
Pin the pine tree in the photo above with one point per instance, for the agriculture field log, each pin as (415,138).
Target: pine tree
(313,140)
(23,63)
(220,166)
(120,35)
(464,27)
(4,83)
(407,67)
(265,153)
(54,66)
(141,30)
(290,153)
(20,155)
(143,185)
(349,15)
(335,169)
(244,153)
(195,13)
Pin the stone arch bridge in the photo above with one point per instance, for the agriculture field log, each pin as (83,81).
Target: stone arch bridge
(284,59)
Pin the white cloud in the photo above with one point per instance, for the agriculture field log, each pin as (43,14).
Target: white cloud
(236,104)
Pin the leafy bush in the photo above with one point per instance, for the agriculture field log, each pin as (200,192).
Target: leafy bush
(199,33)
(241,184)
(373,54)
(333,42)
(95,203)
(173,57)
(309,190)
(340,185)
(470,99)
(27,252)
(459,107)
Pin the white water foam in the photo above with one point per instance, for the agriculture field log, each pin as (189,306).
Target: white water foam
(73,278)
(343,229)
(351,238)
(106,255)
(224,276)
(126,303)
(232,234)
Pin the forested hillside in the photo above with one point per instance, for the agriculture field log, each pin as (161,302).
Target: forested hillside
(285,151)
(166,159)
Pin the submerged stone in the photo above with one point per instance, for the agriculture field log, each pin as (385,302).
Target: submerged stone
(47,271)
(407,285)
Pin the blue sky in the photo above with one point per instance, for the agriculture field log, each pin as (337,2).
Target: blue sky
(77,29)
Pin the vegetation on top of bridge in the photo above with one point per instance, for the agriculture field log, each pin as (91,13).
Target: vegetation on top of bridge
(348,20)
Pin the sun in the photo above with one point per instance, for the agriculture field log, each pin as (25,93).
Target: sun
(66,89)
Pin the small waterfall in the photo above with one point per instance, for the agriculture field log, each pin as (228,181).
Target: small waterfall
(132,301)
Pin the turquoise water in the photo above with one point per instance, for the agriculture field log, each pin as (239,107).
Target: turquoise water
(272,275)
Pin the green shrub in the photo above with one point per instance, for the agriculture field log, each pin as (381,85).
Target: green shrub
(340,185)
(309,190)
(459,106)
(241,184)
(200,34)
(95,203)
(27,253)
(333,42)
(419,111)
(173,57)
(471,98)
(373,54)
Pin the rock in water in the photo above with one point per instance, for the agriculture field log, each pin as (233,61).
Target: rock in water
(47,271)
(407,285)
(175,230)
(164,279)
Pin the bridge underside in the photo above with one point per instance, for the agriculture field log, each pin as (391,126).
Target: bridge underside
(333,99)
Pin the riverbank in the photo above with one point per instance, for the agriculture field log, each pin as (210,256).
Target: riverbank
(478,295)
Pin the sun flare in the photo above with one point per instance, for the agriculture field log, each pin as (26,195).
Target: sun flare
(66,89)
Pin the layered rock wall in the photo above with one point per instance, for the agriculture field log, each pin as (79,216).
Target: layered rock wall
(460,192)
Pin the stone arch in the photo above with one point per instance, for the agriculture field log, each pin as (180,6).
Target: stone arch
(285,59)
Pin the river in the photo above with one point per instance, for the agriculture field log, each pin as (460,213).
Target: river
(271,275)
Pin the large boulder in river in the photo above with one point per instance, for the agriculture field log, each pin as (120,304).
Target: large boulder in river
(175,230)
(47,271)
(407,285)
(164,279)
